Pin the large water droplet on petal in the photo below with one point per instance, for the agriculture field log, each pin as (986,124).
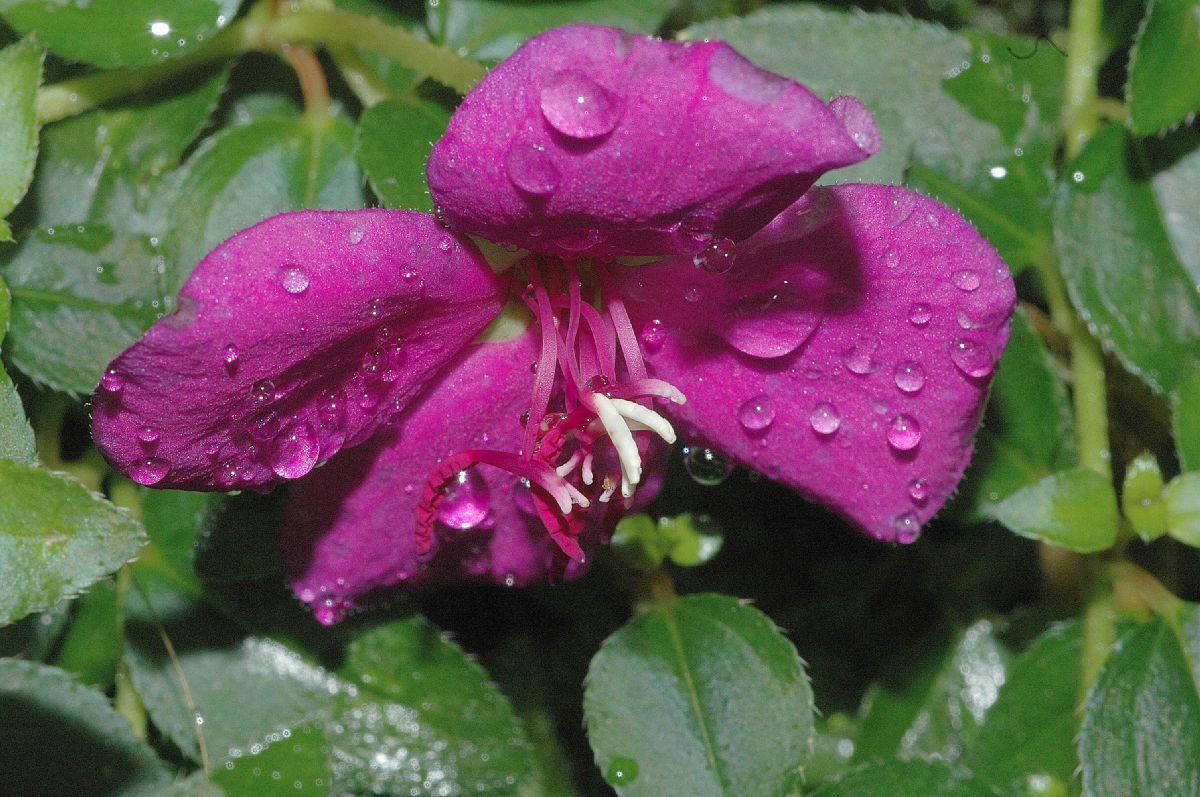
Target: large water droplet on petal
(860,357)
(466,502)
(355,235)
(148,434)
(112,381)
(825,418)
(706,466)
(294,453)
(230,354)
(906,526)
(531,169)
(918,490)
(904,433)
(772,323)
(966,280)
(577,106)
(742,79)
(757,413)
(910,376)
(149,471)
(293,279)
(654,335)
(919,314)
(716,258)
(971,358)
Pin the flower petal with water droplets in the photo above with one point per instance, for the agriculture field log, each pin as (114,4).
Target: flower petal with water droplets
(589,140)
(294,346)
(872,403)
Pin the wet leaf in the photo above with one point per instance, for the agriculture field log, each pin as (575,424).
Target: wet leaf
(906,779)
(393,142)
(56,537)
(1167,45)
(1075,509)
(700,696)
(20,74)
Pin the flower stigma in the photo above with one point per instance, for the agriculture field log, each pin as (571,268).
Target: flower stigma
(590,418)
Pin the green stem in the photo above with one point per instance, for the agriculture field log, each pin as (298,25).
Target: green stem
(1090,397)
(70,97)
(1099,633)
(313,86)
(336,27)
(1084,56)
(358,76)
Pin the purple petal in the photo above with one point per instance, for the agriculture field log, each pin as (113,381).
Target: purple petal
(350,526)
(847,352)
(592,140)
(294,338)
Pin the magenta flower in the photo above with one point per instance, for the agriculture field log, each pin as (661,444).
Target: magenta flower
(683,280)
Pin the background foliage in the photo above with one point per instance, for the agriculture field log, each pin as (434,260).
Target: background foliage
(1040,639)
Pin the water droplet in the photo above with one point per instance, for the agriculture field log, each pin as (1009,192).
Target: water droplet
(531,169)
(149,471)
(740,78)
(331,610)
(919,314)
(772,323)
(621,771)
(904,433)
(757,414)
(891,259)
(706,466)
(466,502)
(262,391)
(907,527)
(147,434)
(910,376)
(860,358)
(293,279)
(825,418)
(654,335)
(445,244)
(918,490)
(112,381)
(971,358)
(265,427)
(577,106)
(230,354)
(692,294)
(597,383)
(717,257)
(966,280)
(330,409)
(903,205)
(355,235)
(294,452)
(510,580)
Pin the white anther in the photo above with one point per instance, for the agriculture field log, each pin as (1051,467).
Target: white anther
(588,477)
(622,439)
(647,417)
(565,469)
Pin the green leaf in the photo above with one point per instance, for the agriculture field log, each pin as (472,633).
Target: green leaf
(393,142)
(1176,182)
(1141,497)
(246,173)
(421,699)
(16,436)
(933,709)
(895,65)
(1015,86)
(701,696)
(20,74)
(686,539)
(107,165)
(56,537)
(1167,46)
(1185,419)
(165,571)
(1182,499)
(1120,265)
(92,645)
(492,29)
(1027,430)
(906,779)
(1029,733)
(1075,509)
(81,295)
(1141,725)
(111,33)
(407,707)
(59,737)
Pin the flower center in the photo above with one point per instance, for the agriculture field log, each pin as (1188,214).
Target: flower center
(590,416)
